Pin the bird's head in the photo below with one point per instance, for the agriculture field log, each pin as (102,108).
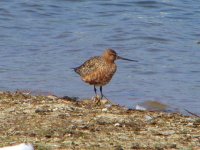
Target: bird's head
(110,56)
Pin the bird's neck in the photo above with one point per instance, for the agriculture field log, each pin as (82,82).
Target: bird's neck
(109,61)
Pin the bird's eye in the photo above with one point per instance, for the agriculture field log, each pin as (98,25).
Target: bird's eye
(113,54)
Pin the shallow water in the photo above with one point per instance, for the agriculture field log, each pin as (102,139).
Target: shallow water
(41,40)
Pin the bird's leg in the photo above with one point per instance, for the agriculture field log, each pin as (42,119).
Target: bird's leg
(95,90)
(102,93)
(96,98)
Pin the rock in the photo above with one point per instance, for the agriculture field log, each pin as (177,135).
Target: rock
(69,108)
(138,107)
(197,122)
(22,146)
(104,110)
(190,124)
(43,110)
(104,101)
(152,106)
(148,118)
(106,119)
(119,147)
(64,116)
(135,146)
(172,145)
(73,99)
(190,119)
(166,133)
(52,97)
(117,125)
(108,105)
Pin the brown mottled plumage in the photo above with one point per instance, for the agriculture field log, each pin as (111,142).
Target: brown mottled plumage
(99,70)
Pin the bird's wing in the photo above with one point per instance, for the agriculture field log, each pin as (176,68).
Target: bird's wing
(88,66)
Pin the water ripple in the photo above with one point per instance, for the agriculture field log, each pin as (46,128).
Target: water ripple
(41,40)
(151,4)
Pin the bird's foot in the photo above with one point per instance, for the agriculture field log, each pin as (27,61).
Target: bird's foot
(96,99)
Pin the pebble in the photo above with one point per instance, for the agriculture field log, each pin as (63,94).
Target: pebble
(135,146)
(138,107)
(168,132)
(42,110)
(190,119)
(190,124)
(148,118)
(104,101)
(117,125)
(119,147)
(108,105)
(104,110)
(52,97)
(22,146)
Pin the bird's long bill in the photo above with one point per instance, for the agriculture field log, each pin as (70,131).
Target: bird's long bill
(119,57)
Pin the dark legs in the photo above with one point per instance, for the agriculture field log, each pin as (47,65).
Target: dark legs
(95,90)
(101,91)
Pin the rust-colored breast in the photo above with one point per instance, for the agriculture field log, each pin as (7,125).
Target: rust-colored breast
(101,76)
(96,71)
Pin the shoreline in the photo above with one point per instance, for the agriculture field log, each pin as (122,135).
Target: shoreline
(50,122)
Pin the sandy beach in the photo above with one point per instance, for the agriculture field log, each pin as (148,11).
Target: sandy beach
(53,123)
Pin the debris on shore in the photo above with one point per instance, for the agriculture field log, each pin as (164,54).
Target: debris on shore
(53,123)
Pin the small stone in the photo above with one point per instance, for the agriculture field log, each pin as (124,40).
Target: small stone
(197,122)
(78,121)
(108,105)
(138,107)
(190,124)
(39,110)
(168,132)
(68,108)
(159,147)
(104,101)
(119,147)
(70,98)
(55,109)
(42,110)
(67,115)
(21,146)
(190,119)
(117,125)
(104,110)
(106,119)
(173,145)
(64,116)
(148,118)
(135,146)
(52,97)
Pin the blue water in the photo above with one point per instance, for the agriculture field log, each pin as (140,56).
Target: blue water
(41,40)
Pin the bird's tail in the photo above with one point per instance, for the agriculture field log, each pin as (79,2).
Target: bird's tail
(75,69)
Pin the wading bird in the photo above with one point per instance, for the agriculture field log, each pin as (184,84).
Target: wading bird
(99,70)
